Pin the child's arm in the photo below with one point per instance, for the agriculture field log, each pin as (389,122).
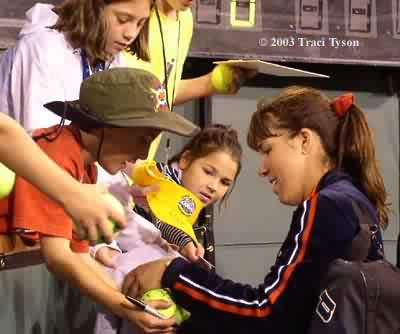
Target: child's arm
(40,170)
(82,272)
(72,267)
(190,89)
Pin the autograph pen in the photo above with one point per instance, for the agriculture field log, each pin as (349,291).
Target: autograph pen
(145,307)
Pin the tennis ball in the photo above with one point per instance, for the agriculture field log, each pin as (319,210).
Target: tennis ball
(118,206)
(7,181)
(222,78)
(174,310)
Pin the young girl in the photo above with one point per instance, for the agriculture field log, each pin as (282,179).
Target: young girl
(212,139)
(59,47)
(114,121)
(208,167)
(318,155)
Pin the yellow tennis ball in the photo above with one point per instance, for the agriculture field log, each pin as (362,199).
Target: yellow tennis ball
(174,310)
(222,78)
(7,181)
(118,206)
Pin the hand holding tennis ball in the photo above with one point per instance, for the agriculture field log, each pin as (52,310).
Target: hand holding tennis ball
(174,310)
(7,181)
(118,206)
(222,78)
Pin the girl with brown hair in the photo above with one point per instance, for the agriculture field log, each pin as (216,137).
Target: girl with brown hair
(61,46)
(318,154)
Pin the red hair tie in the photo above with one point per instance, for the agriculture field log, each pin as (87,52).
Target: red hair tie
(342,104)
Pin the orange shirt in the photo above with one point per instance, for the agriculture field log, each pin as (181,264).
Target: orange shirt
(30,212)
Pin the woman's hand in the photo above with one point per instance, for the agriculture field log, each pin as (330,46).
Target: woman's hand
(145,277)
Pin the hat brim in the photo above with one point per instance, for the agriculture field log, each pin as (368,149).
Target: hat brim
(72,111)
(166,121)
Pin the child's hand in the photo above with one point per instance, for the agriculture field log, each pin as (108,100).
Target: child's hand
(105,256)
(139,194)
(147,323)
(191,252)
(229,80)
(92,221)
(240,76)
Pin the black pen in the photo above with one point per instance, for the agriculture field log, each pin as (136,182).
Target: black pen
(145,307)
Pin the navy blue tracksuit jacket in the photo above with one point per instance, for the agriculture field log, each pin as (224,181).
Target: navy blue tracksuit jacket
(322,228)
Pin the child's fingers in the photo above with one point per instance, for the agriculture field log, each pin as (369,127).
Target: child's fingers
(151,188)
(105,256)
(159,304)
(200,250)
(116,216)
(92,234)
(240,76)
(190,252)
(152,324)
(139,194)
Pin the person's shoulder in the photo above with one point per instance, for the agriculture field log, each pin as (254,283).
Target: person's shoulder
(45,42)
(187,15)
(65,148)
(186,18)
(337,198)
(342,196)
(335,213)
(44,36)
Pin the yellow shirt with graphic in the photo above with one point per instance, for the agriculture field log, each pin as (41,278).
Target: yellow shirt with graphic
(177,38)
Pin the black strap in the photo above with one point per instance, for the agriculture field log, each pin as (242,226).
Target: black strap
(363,242)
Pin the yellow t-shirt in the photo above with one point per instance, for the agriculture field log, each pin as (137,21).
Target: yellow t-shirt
(177,38)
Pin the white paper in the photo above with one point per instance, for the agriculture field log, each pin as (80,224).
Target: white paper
(270,68)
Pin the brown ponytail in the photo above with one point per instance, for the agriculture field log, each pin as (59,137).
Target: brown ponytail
(356,155)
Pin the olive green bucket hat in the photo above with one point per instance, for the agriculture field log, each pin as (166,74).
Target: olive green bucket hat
(123,97)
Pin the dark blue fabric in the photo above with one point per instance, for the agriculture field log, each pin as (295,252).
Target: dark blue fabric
(322,228)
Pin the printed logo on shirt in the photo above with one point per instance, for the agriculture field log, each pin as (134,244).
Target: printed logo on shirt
(326,307)
(186,205)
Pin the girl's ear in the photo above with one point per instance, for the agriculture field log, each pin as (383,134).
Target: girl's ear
(184,160)
(306,137)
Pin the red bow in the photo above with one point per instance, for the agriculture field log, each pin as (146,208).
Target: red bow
(342,103)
